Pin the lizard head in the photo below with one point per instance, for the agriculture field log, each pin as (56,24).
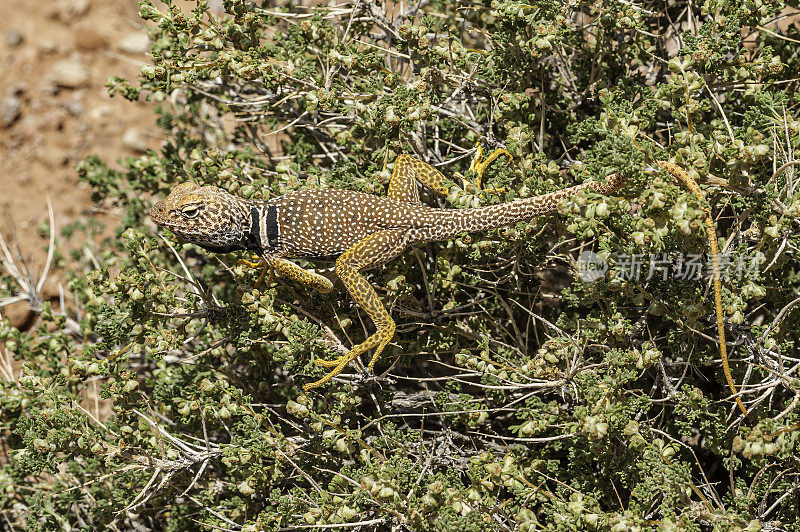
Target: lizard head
(207,216)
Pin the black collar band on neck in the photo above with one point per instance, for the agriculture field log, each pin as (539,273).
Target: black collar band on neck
(254,236)
(254,241)
(272,226)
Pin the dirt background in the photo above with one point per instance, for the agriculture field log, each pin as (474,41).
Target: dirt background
(55,57)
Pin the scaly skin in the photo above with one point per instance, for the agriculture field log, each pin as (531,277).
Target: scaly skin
(360,230)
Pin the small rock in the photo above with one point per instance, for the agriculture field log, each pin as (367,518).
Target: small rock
(74,107)
(47,87)
(9,110)
(70,73)
(135,43)
(20,315)
(99,113)
(50,291)
(87,39)
(135,140)
(13,38)
(67,10)
(46,46)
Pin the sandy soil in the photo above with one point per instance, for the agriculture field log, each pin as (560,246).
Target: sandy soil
(55,57)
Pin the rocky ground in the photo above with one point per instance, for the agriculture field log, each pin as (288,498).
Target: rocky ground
(55,57)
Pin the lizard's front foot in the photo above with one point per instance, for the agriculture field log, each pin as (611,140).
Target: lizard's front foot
(337,364)
(264,265)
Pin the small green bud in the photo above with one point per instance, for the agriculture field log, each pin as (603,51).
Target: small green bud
(494,469)
(429,502)
(296,409)
(386,492)
(245,488)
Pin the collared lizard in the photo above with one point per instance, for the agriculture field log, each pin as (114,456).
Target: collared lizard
(363,231)
(360,230)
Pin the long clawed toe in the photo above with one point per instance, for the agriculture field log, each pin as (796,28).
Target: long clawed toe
(334,372)
(338,364)
(263,265)
(479,166)
(246,262)
(366,377)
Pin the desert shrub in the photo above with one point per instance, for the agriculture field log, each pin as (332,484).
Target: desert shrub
(518,393)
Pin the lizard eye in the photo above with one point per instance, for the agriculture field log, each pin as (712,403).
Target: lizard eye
(192,211)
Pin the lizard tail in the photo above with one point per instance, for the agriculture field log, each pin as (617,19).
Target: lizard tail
(493,216)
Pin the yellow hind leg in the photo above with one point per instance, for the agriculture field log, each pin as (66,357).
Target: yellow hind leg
(367,253)
(408,172)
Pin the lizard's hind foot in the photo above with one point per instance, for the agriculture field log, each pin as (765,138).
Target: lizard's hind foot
(479,166)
